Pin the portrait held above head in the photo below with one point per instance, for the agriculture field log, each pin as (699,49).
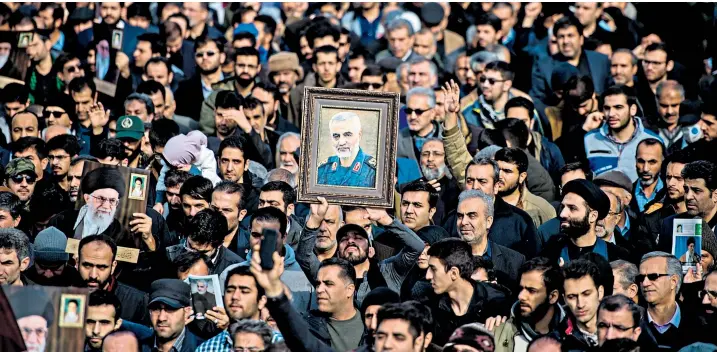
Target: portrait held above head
(349,165)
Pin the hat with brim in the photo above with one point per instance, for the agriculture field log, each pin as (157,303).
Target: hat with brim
(352,228)
(614,178)
(173,303)
(130,127)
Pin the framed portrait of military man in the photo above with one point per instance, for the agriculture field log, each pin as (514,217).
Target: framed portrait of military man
(348,146)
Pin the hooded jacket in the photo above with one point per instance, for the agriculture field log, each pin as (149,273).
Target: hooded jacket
(605,154)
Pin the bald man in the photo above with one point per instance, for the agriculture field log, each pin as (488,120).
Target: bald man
(350,166)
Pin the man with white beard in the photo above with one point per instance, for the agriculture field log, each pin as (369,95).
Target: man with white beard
(605,228)
(436,172)
(287,156)
(34,314)
(102,190)
(350,166)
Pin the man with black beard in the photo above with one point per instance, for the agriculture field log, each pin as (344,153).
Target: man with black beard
(648,165)
(356,247)
(537,311)
(709,306)
(209,57)
(582,206)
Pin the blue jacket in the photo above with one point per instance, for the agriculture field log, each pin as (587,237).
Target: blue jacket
(361,173)
(604,154)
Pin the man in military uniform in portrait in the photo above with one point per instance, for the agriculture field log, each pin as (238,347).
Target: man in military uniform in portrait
(350,166)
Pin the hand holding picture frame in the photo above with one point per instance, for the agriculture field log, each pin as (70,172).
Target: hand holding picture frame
(348,147)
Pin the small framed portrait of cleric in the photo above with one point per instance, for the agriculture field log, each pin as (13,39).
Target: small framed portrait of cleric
(348,147)
(72,311)
(137,186)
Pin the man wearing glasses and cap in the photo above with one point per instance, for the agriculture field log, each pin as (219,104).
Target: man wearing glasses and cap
(170,310)
(21,178)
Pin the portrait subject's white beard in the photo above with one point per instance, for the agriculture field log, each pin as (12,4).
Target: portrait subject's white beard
(95,222)
(35,347)
(345,151)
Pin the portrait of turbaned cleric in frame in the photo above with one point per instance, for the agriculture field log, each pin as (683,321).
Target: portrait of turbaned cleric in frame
(348,146)
(351,145)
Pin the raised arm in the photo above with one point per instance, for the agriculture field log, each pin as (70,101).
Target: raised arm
(457,155)
(305,255)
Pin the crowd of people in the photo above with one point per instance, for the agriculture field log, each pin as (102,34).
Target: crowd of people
(546,154)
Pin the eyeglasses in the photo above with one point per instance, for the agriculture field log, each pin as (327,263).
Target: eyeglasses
(491,81)
(200,55)
(18,179)
(206,252)
(40,332)
(56,114)
(651,277)
(606,326)
(366,85)
(102,200)
(418,112)
(703,293)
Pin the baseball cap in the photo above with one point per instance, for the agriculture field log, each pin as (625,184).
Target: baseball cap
(129,126)
(172,292)
(348,228)
(19,166)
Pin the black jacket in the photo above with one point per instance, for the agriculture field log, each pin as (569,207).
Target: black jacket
(556,244)
(487,301)
(189,344)
(650,222)
(189,97)
(222,259)
(299,334)
(133,303)
(506,263)
(512,228)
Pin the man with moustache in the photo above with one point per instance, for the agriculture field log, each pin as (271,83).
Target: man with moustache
(612,146)
(623,67)
(21,178)
(670,94)
(268,94)
(97,264)
(537,311)
(285,72)
(350,166)
(60,150)
(582,292)
(434,168)
(33,311)
(102,318)
(583,205)
(418,204)
(320,229)
(709,306)
(605,228)
(287,152)
(74,176)
(648,165)
(355,245)
(191,93)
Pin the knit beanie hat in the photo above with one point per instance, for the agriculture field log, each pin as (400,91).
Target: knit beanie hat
(184,149)
(473,335)
(709,240)
(50,246)
(378,297)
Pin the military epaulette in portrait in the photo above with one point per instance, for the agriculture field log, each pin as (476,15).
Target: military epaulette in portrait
(371,161)
(326,161)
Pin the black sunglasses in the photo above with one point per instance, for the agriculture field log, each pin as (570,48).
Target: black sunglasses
(372,85)
(704,293)
(491,81)
(56,114)
(418,112)
(18,179)
(651,277)
(72,69)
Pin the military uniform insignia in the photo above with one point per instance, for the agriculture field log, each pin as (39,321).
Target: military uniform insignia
(357,167)
(371,162)
(323,162)
(127,123)
(333,166)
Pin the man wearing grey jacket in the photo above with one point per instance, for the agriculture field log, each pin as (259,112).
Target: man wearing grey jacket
(355,245)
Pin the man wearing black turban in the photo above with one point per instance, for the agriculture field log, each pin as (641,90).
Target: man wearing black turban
(582,206)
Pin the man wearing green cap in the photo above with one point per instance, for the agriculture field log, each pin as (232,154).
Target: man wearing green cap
(20,177)
(130,130)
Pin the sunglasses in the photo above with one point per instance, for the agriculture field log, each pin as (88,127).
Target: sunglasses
(418,112)
(372,85)
(651,277)
(491,81)
(18,179)
(712,294)
(199,55)
(56,114)
(72,69)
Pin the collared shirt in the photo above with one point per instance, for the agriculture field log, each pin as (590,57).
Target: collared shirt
(408,54)
(223,342)
(624,230)
(675,321)
(640,197)
(56,49)
(176,347)
(488,254)
(207,90)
